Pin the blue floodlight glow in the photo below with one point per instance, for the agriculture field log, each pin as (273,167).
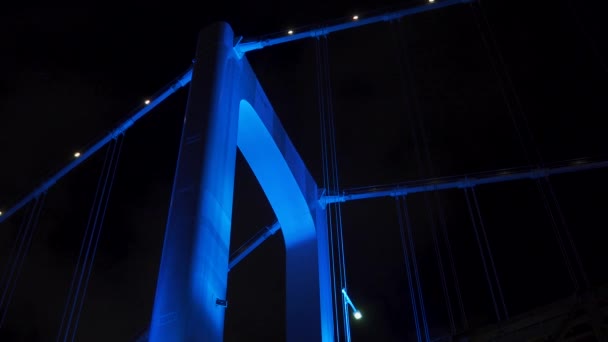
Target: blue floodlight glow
(227,108)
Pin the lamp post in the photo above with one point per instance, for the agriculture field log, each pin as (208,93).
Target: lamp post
(356,313)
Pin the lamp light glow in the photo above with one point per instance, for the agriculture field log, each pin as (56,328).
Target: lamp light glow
(76,154)
(355,17)
(349,302)
(147,102)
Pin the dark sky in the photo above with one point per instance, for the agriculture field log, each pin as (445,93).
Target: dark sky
(70,74)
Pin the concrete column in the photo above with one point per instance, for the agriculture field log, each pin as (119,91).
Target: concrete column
(194,265)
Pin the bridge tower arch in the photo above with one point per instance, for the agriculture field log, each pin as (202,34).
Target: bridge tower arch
(227,108)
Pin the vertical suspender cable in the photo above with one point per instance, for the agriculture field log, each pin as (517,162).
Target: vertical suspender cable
(420,143)
(482,253)
(590,41)
(67,311)
(19,253)
(504,79)
(487,244)
(443,225)
(85,261)
(103,208)
(506,86)
(331,182)
(562,219)
(336,293)
(335,182)
(559,238)
(408,226)
(14,256)
(406,260)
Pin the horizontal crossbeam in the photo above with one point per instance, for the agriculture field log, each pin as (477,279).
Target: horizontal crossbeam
(436,184)
(247,249)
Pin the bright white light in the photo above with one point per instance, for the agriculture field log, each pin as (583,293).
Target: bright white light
(147,102)
(431,1)
(290,32)
(77,154)
(355,17)
(358,314)
(0,213)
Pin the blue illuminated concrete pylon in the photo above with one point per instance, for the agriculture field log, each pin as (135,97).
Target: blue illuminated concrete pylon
(228,108)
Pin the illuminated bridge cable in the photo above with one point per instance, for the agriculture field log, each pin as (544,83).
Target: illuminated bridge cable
(19,253)
(592,44)
(562,219)
(490,256)
(519,119)
(412,248)
(559,237)
(14,255)
(424,162)
(444,228)
(336,185)
(102,211)
(321,93)
(331,184)
(138,113)
(408,271)
(505,84)
(82,273)
(68,309)
(474,217)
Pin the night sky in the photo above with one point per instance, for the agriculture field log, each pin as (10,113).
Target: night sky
(71,74)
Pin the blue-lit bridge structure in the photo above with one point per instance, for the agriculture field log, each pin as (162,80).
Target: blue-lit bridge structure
(228,110)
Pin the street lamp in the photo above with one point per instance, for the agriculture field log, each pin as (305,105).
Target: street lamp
(356,313)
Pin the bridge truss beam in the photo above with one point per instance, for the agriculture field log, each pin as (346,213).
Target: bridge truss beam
(436,184)
(445,183)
